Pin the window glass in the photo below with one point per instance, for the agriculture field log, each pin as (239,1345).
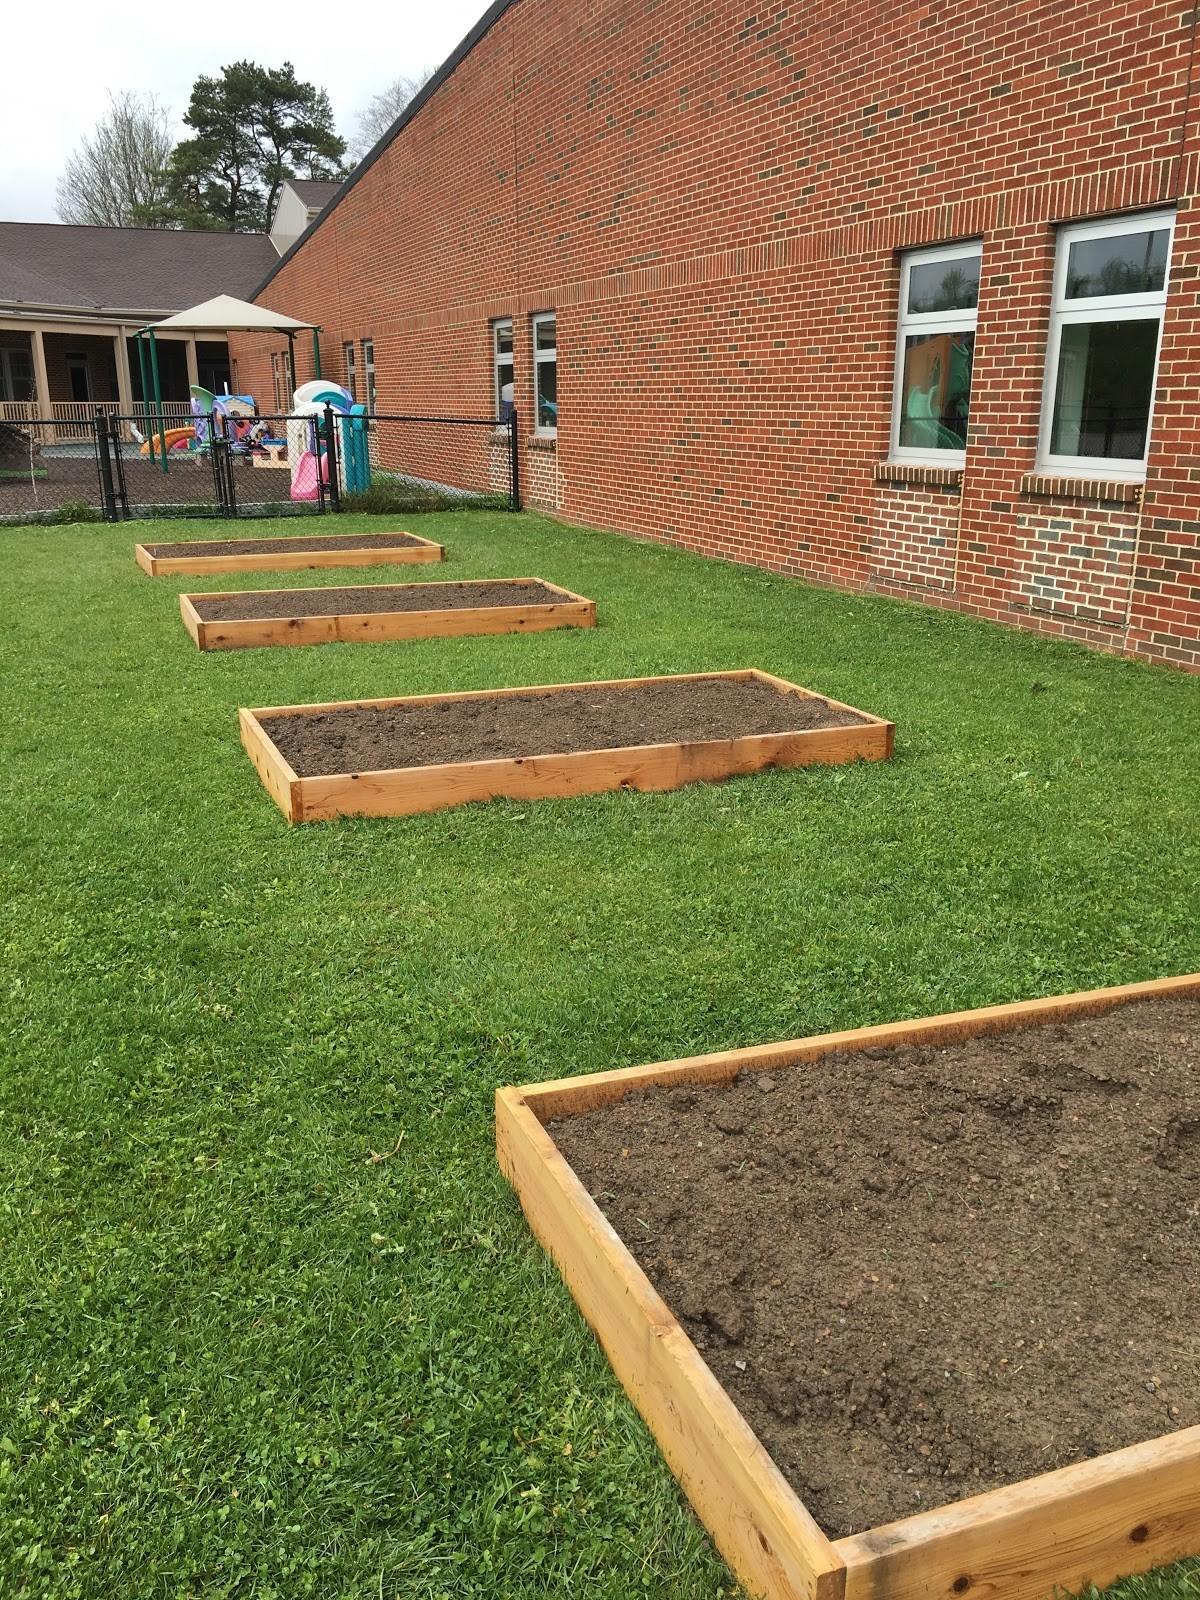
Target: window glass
(935,353)
(1127,263)
(944,285)
(502,368)
(16,374)
(935,390)
(1104,386)
(545,366)
(369,373)
(351,370)
(547,395)
(1105,329)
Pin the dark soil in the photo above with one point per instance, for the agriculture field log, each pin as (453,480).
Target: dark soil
(372,598)
(249,547)
(923,1273)
(372,739)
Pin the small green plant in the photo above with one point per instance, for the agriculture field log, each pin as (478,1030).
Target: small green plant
(77,511)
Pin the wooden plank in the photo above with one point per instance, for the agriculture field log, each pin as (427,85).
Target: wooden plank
(406,791)
(248,633)
(755,1518)
(348,554)
(838,705)
(563,1097)
(1093,1522)
(192,620)
(280,782)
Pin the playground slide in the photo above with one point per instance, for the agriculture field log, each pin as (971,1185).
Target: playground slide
(304,475)
(177,439)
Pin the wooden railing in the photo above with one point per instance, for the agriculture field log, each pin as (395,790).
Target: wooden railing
(75,419)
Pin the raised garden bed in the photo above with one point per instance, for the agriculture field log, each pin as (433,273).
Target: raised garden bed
(255,617)
(421,753)
(925,1259)
(196,558)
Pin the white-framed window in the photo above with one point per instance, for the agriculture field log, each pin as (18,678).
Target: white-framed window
(349,356)
(275,381)
(545,373)
(935,352)
(1110,287)
(369,373)
(502,367)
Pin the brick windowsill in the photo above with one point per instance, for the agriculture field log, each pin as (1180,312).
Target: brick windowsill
(916,472)
(1053,486)
(539,441)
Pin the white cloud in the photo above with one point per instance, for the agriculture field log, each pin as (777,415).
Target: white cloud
(63,63)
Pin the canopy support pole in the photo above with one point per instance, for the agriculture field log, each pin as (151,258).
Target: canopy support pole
(158,405)
(140,340)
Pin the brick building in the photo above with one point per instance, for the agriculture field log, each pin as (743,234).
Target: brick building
(769,262)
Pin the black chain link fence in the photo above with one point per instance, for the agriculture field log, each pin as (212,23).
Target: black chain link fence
(48,473)
(264,466)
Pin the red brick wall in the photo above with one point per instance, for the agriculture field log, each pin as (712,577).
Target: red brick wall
(713,201)
(102,363)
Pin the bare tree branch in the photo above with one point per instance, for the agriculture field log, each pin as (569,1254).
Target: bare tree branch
(378,114)
(116,178)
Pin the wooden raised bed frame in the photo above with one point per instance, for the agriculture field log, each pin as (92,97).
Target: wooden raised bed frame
(347,554)
(567,610)
(404,791)
(1091,1522)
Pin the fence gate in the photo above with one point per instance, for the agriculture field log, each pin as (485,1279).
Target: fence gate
(224,478)
(108,443)
(290,465)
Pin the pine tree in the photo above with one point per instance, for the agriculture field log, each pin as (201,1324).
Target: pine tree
(253,128)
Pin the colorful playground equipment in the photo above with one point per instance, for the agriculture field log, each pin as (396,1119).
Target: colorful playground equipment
(173,439)
(307,456)
(233,418)
(222,315)
(303,453)
(235,411)
(236,414)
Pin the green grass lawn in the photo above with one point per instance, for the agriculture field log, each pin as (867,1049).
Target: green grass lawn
(242,1358)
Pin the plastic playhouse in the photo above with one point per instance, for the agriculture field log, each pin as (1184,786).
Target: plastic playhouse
(306,451)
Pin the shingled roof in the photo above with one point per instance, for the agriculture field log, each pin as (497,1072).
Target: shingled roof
(58,264)
(315,191)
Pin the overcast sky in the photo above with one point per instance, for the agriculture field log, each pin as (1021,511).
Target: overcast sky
(64,58)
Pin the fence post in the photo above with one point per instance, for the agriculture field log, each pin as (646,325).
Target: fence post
(331,456)
(118,469)
(108,493)
(515,468)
